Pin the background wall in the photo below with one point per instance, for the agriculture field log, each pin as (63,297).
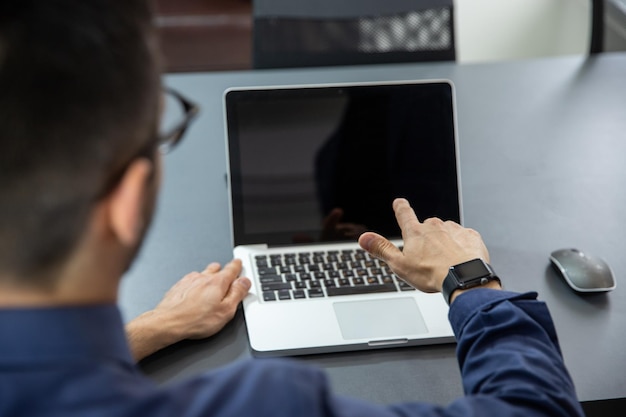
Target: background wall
(488,30)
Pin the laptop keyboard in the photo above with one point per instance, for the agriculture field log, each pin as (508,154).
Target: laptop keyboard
(307,275)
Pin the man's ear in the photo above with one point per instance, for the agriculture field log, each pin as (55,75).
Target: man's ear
(127,200)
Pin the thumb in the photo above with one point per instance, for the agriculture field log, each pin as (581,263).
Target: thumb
(238,290)
(379,247)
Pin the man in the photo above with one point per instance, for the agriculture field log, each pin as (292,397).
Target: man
(79,171)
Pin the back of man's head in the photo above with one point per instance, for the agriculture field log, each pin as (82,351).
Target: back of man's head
(78,97)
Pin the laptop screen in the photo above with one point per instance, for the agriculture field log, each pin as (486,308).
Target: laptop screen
(324,163)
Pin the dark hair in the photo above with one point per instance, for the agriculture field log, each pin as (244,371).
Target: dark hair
(78,97)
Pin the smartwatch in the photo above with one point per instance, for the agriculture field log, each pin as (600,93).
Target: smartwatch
(467,275)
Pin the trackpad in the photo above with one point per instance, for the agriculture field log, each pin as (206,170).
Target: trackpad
(376,319)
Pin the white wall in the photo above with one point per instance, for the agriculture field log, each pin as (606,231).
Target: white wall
(488,30)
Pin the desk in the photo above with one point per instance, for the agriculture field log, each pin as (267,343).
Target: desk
(542,145)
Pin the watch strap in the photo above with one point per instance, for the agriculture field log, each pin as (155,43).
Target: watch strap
(450,284)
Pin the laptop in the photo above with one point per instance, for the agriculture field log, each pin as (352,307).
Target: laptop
(310,168)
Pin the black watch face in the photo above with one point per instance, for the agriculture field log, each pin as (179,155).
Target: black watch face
(471,270)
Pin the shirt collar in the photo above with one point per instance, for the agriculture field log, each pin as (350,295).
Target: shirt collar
(32,335)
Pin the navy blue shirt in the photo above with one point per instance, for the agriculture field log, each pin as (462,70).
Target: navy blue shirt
(76,362)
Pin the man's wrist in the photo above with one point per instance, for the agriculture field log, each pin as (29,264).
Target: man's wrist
(494,285)
(150,333)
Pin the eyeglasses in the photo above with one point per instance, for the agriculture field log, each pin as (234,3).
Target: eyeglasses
(178,113)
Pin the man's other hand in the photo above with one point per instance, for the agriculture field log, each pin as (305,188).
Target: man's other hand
(197,306)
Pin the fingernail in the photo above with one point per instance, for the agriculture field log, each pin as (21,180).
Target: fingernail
(245,282)
(366,241)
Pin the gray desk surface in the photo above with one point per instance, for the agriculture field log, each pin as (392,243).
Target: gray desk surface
(543,145)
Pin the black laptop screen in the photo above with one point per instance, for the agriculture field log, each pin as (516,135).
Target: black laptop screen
(324,163)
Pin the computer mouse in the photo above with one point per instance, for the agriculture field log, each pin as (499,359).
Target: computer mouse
(583,271)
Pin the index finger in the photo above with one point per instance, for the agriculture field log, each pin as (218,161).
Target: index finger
(233,268)
(405,216)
